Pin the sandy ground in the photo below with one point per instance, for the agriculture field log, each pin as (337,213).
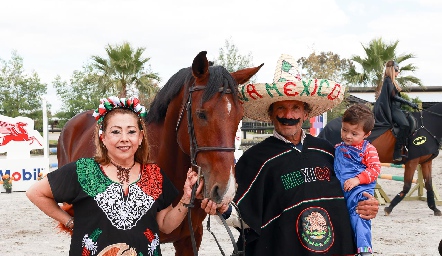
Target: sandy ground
(411,229)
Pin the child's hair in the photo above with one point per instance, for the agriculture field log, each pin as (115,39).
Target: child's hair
(359,114)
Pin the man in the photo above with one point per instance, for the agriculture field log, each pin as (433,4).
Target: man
(288,194)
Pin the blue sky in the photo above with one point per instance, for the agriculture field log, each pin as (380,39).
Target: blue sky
(56,37)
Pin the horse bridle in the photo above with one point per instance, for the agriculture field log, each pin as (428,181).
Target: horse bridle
(194,150)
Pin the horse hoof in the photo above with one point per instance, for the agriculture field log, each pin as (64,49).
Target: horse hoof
(387,211)
(437,213)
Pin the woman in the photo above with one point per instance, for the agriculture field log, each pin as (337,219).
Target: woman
(387,108)
(121,202)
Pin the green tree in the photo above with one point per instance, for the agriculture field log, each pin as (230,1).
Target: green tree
(377,54)
(124,74)
(230,58)
(81,93)
(124,71)
(20,93)
(326,65)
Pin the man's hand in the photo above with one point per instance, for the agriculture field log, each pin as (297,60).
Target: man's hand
(210,207)
(368,209)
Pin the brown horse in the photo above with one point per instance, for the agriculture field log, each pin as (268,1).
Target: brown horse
(423,146)
(192,121)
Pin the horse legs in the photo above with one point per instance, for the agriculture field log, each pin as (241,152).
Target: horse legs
(397,199)
(410,167)
(426,173)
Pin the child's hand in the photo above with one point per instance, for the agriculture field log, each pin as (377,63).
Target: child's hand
(351,183)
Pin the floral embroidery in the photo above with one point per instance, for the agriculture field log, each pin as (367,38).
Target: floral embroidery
(90,177)
(154,240)
(90,243)
(119,249)
(151,181)
(124,213)
(149,235)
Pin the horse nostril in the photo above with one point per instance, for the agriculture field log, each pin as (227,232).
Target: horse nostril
(216,197)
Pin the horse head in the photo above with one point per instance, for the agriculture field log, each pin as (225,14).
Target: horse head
(208,122)
(193,121)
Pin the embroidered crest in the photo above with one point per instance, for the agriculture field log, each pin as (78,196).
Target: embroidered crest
(315,230)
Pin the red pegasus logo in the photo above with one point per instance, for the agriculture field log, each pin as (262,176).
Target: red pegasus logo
(15,132)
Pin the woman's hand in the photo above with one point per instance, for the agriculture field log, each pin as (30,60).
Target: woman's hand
(368,209)
(191,179)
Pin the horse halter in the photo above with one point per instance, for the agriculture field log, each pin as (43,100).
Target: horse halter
(194,150)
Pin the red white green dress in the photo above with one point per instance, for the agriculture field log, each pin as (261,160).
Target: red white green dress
(106,220)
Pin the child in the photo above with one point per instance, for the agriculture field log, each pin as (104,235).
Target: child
(357,167)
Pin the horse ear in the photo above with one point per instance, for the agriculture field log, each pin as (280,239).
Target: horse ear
(243,75)
(200,65)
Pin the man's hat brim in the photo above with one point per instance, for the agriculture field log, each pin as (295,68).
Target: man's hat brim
(320,94)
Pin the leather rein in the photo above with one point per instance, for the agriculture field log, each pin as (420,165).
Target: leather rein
(194,150)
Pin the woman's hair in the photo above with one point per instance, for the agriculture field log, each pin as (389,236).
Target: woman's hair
(390,68)
(101,156)
(359,114)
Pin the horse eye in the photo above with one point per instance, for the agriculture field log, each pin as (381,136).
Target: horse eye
(201,115)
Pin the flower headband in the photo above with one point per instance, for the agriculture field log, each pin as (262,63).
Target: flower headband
(113,102)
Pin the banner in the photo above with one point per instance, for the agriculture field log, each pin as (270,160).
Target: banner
(17,139)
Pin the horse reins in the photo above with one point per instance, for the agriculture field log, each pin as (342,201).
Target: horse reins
(431,112)
(194,150)
(425,128)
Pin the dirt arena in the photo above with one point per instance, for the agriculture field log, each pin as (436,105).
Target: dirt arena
(411,229)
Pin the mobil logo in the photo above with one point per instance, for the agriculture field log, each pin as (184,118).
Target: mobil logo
(23,174)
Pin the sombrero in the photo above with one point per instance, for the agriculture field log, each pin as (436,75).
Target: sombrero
(321,94)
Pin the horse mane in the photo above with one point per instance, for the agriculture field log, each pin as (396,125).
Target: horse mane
(218,75)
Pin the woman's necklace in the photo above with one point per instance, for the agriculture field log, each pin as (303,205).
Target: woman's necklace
(122,173)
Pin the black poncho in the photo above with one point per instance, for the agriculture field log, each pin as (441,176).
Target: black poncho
(292,200)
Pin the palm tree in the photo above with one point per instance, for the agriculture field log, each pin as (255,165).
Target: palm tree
(124,71)
(377,54)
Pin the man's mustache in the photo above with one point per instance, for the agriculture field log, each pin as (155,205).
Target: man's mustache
(287,121)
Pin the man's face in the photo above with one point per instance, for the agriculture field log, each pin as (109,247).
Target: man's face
(287,117)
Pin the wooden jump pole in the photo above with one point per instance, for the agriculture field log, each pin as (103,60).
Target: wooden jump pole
(394,177)
(382,197)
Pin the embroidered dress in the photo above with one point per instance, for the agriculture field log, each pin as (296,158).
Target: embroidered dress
(292,200)
(106,220)
(361,161)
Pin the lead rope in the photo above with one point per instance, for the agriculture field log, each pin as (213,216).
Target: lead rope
(193,162)
(189,219)
(236,252)
(193,151)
